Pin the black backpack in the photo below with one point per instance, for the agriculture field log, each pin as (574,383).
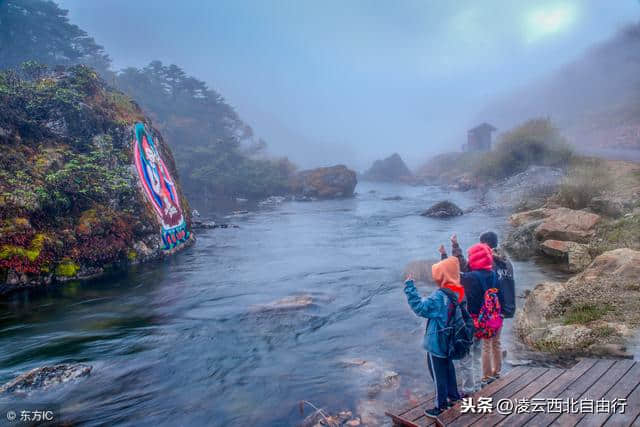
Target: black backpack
(506,285)
(459,326)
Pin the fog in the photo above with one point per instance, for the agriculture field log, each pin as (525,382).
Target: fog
(349,82)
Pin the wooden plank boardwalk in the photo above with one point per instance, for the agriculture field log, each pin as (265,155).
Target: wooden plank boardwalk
(581,396)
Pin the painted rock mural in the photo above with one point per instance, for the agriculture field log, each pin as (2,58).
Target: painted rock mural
(86,183)
(159,188)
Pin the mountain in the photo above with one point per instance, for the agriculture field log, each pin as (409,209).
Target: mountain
(595,100)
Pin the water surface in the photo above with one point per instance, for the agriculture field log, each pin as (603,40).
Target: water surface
(185,342)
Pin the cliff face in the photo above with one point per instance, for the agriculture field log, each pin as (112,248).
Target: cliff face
(86,183)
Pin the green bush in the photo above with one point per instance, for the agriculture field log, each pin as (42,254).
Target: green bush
(535,142)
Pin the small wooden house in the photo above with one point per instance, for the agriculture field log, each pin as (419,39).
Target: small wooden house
(479,138)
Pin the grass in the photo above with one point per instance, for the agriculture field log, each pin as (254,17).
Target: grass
(587,179)
(614,234)
(585,313)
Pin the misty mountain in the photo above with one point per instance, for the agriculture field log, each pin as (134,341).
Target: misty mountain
(595,100)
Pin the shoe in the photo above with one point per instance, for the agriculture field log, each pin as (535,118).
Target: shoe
(487,381)
(433,412)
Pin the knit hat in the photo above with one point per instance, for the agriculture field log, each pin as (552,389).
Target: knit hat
(480,257)
(490,238)
(446,273)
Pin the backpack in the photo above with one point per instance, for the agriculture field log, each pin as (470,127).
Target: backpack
(506,284)
(459,328)
(489,320)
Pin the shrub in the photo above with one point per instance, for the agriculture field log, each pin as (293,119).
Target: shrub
(535,142)
(586,179)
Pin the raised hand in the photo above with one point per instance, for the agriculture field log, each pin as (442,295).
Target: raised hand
(442,250)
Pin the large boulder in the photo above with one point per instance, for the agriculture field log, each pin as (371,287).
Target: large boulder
(46,377)
(391,169)
(573,256)
(593,313)
(567,224)
(88,183)
(531,228)
(324,183)
(444,209)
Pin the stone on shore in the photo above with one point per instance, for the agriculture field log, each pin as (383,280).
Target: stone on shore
(567,224)
(574,256)
(46,377)
(443,209)
(593,313)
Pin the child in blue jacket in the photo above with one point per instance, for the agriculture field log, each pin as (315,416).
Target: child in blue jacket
(436,308)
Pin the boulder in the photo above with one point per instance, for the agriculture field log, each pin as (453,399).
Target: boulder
(557,224)
(324,183)
(592,313)
(46,377)
(443,209)
(86,200)
(567,224)
(574,256)
(521,242)
(391,169)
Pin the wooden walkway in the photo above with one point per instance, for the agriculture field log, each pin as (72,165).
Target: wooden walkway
(580,396)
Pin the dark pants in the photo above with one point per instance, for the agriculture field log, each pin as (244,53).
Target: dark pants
(444,377)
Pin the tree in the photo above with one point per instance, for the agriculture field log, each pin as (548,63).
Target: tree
(39,30)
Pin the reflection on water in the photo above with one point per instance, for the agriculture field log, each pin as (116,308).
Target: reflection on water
(186,341)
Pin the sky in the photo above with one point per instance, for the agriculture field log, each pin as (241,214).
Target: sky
(336,81)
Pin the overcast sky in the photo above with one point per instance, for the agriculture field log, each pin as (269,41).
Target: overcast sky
(351,81)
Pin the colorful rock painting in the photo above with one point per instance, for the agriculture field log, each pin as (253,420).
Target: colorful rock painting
(159,188)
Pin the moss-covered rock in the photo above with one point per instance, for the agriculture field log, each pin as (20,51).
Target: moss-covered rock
(71,199)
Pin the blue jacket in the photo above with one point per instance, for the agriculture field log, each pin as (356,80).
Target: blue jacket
(434,308)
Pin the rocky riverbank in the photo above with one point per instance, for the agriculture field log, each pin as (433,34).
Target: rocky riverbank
(595,311)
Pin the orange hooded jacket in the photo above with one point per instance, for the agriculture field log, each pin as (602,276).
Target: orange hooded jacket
(446,274)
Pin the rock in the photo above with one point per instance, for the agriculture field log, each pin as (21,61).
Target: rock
(443,209)
(86,202)
(574,256)
(605,295)
(610,350)
(522,218)
(558,224)
(324,183)
(521,242)
(567,224)
(287,303)
(391,169)
(46,377)
(392,198)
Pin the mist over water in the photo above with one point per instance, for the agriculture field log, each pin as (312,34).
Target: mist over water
(188,341)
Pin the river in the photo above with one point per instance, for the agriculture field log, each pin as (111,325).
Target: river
(188,341)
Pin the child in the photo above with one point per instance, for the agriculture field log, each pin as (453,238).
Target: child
(476,279)
(437,308)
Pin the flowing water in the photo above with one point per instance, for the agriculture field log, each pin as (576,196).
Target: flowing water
(190,341)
